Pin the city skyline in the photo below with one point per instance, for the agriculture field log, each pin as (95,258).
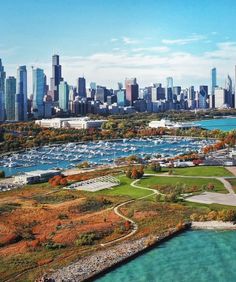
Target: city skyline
(103,42)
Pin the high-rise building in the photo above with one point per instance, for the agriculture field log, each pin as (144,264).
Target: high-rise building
(203,97)
(38,92)
(229,92)
(158,92)
(191,98)
(21,94)
(101,94)
(220,97)
(213,80)
(63,96)
(81,87)
(213,86)
(169,88)
(10,97)
(2,91)
(132,90)
(56,78)
(120,94)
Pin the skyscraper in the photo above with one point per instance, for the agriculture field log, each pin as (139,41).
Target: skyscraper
(38,92)
(169,88)
(81,87)
(56,78)
(63,96)
(2,92)
(10,97)
(213,86)
(21,94)
(229,91)
(132,90)
(203,97)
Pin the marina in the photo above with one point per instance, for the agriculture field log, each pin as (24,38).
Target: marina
(65,156)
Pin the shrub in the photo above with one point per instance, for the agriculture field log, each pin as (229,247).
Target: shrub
(62,216)
(155,166)
(51,245)
(2,174)
(210,186)
(90,204)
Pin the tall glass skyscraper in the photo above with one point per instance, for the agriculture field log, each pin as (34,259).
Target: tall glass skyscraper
(21,94)
(203,97)
(169,88)
(10,97)
(82,87)
(56,77)
(213,80)
(63,96)
(38,92)
(132,90)
(2,92)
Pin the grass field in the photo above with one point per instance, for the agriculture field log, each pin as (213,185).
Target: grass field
(124,189)
(233,183)
(151,181)
(202,171)
(217,171)
(208,207)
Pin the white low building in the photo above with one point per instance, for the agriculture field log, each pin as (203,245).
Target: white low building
(165,123)
(76,123)
(36,176)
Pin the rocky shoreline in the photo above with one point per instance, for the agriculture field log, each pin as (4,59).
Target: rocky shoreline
(96,265)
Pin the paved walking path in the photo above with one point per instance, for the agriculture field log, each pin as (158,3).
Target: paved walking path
(133,223)
(205,198)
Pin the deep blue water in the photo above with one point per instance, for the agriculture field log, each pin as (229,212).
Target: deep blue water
(225,124)
(195,256)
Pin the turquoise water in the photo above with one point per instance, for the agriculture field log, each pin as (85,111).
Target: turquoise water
(196,256)
(225,124)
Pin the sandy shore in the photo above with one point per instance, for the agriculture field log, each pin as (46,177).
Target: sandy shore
(215,225)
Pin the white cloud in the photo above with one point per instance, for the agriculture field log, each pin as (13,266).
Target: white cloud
(161,49)
(129,41)
(106,68)
(184,41)
(114,39)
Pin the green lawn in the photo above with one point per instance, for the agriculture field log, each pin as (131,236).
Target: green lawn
(233,182)
(202,171)
(208,207)
(151,181)
(124,189)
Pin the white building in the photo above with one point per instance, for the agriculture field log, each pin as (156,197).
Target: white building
(76,123)
(35,176)
(220,95)
(169,124)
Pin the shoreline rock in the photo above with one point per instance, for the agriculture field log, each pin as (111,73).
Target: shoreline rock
(213,225)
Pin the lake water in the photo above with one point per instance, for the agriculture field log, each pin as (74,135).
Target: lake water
(225,124)
(196,256)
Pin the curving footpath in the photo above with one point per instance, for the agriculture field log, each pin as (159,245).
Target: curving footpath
(133,223)
(206,197)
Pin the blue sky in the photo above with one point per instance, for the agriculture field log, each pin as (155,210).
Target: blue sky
(108,40)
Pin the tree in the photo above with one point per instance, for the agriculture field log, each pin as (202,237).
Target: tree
(129,173)
(134,173)
(155,166)
(63,181)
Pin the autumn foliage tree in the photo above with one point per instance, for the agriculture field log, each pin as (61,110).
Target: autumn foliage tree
(135,172)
